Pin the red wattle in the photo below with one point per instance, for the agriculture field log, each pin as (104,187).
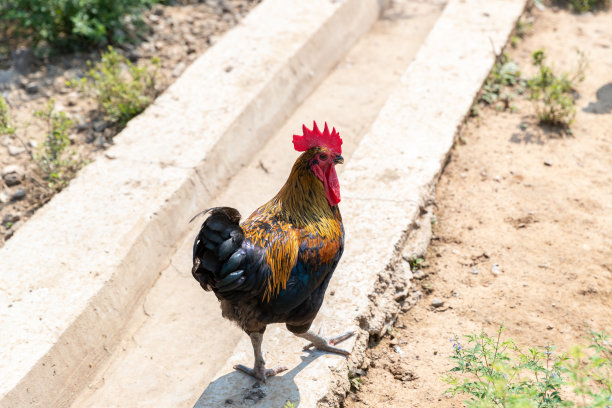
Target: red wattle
(332,186)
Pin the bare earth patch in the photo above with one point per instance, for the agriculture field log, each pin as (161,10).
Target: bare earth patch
(537,204)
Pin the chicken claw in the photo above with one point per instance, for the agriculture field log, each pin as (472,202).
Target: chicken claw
(260,372)
(321,343)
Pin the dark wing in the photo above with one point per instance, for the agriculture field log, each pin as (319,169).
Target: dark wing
(235,265)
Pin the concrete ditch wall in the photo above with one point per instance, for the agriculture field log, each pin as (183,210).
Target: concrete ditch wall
(73,274)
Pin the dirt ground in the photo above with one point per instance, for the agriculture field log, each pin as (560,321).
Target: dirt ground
(534,202)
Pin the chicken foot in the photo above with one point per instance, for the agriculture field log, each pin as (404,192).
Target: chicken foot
(319,342)
(259,370)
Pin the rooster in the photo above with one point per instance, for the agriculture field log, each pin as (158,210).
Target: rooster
(275,266)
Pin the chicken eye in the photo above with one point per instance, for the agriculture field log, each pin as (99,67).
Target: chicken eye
(322,157)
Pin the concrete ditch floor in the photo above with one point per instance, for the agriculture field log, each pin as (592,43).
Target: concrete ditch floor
(178,340)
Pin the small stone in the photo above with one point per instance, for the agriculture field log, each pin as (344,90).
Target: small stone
(419,274)
(13,229)
(474,271)
(18,195)
(31,87)
(22,60)
(4,197)
(81,122)
(549,327)
(178,69)
(10,218)
(496,269)
(73,98)
(15,150)
(437,302)
(12,175)
(100,140)
(33,143)
(544,265)
(99,125)
(497,178)
(6,141)
(547,163)
(111,156)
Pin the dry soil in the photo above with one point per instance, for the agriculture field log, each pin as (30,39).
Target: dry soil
(537,203)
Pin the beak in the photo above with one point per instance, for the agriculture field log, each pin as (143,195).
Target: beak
(339,160)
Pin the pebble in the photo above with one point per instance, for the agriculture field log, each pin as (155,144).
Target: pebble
(33,143)
(474,271)
(496,269)
(4,197)
(10,218)
(31,88)
(419,274)
(81,122)
(99,125)
(6,141)
(178,69)
(15,150)
(437,302)
(12,175)
(14,228)
(18,195)
(547,163)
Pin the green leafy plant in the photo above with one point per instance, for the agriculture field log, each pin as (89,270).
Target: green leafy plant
(416,262)
(57,162)
(289,404)
(582,6)
(122,89)
(554,94)
(5,120)
(589,371)
(502,85)
(72,23)
(499,374)
(522,29)
(496,373)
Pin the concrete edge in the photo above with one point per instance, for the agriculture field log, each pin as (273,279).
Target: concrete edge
(89,337)
(388,189)
(392,285)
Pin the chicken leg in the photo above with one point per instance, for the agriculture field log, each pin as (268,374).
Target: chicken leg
(259,370)
(319,342)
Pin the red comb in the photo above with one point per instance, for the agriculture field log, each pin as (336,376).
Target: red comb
(314,138)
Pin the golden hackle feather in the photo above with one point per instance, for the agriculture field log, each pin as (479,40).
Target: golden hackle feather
(300,211)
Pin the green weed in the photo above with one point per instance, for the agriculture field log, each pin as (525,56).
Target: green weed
(523,28)
(497,373)
(66,24)
(582,6)
(553,94)
(415,263)
(5,120)
(589,371)
(289,404)
(54,158)
(503,84)
(122,89)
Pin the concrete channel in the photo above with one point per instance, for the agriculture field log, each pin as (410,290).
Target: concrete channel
(397,95)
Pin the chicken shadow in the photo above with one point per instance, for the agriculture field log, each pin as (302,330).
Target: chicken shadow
(604,101)
(236,389)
